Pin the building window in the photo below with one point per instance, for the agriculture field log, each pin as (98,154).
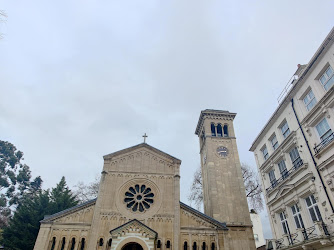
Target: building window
(203,246)
(213,129)
(219,130)
(274,142)
(225,130)
(63,244)
(285,130)
(295,158)
(297,216)
(213,246)
(82,244)
(313,208)
(139,198)
(109,242)
(168,244)
(282,169)
(185,245)
(256,237)
(272,178)
(53,243)
(265,153)
(284,223)
(195,246)
(159,244)
(327,78)
(101,242)
(309,100)
(324,130)
(73,244)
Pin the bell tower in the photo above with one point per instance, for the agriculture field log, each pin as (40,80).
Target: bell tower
(223,187)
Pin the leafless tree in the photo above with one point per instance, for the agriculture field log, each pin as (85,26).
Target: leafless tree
(86,192)
(251,182)
(3,17)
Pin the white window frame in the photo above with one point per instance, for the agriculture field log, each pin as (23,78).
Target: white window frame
(325,134)
(265,153)
(272,178)
(282,168)
(324,79)
(294,160)
(285,129)
(309,100)
(284,222)
(297,216)
(313,207)
(274,142)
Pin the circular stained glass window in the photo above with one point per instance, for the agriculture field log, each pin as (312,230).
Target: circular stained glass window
(139,198)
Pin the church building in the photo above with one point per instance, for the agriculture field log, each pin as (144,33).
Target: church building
(138,205)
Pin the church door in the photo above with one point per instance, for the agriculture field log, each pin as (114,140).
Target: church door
(132,246)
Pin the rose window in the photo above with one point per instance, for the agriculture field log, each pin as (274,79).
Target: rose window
(139,198)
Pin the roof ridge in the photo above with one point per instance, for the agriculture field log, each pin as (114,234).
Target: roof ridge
(218,223)
(63,212)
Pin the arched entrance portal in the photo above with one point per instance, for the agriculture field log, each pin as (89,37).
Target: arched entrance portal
(132,246)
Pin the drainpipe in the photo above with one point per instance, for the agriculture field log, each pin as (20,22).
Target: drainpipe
(309,149)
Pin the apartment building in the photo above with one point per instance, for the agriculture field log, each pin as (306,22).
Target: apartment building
(294,153)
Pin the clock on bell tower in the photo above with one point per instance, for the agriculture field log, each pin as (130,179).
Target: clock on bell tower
(223,188)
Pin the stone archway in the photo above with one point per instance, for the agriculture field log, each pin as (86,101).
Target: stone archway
(132,246)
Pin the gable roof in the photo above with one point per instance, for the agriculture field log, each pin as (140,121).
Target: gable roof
(149,231)
(221,225)
(49,218)
(142,145)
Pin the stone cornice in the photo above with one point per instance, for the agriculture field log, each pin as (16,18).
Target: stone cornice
(142,145)
(213,114)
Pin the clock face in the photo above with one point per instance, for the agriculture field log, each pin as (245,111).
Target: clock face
(222,151)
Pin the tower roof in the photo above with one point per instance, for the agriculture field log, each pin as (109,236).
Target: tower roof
(213,113)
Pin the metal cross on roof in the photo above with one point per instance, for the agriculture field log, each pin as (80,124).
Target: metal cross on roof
(145,136)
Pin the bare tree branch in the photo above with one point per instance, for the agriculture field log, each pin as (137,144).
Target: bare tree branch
(251,182)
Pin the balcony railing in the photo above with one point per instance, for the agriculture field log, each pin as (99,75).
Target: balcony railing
(323,143)
(318,231)
(285,174)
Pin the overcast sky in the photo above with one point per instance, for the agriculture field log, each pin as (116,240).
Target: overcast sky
(81,79)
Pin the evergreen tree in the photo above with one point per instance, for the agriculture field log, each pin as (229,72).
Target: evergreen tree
(24,226)
(14,180)
(62,197)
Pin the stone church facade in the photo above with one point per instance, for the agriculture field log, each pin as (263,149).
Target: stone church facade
(138,204)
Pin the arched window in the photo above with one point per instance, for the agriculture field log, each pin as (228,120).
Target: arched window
(213,129)
(109,242)
(83,241)
(225,131)
(53,243)
(185,246)
(213,246)
(73,244)
(195,246)
(101,242)
(159,244)
(168,244)
(63,244)
(219,130)
(203,246)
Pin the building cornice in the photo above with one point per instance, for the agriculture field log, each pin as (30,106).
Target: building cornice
(213,114)
(310,66)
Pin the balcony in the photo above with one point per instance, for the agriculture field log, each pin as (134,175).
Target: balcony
(285,174)
(314,236)
(324,143)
